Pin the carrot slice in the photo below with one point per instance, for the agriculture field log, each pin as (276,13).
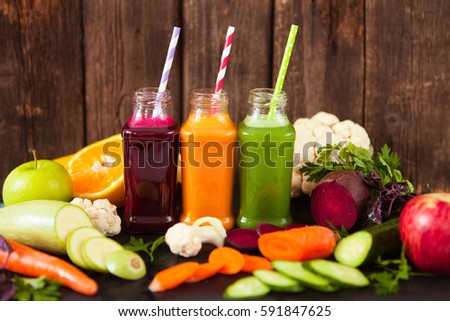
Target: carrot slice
(231,259)
(204,271)
(173,276)
(298,244)
(254,262)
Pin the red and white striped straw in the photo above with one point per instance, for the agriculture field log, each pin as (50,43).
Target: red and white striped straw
(224,60)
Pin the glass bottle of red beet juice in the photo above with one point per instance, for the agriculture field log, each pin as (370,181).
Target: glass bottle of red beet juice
(150,148)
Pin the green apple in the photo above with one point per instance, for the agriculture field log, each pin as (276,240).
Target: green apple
(125,264)
(38,179)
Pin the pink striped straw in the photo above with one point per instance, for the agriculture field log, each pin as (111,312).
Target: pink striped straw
(224,60)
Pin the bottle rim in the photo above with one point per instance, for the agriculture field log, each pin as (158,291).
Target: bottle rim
(265,97)
(206,98)
(151,95)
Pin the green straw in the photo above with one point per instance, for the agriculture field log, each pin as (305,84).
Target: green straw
(283,69)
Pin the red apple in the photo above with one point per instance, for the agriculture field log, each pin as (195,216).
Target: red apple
(425,232)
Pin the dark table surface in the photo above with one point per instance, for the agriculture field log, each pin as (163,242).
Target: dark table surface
(115,289)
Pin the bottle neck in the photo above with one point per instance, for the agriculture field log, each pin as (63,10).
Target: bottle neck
(206,102)
(261,100)
(151,108)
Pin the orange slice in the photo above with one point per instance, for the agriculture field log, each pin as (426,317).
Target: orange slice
(97,171)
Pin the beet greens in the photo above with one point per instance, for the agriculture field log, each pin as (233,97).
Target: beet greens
(379,172)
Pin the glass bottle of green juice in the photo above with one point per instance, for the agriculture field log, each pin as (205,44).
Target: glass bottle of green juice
(266,160)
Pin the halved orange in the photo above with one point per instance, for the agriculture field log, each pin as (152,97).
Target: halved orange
(97,171)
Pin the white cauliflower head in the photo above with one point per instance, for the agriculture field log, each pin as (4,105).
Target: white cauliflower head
(319,130)
(103,215)
(184,240)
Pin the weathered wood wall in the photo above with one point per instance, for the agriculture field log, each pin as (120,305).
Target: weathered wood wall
(68,68)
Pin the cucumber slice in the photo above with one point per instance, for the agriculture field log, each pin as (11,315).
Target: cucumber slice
(95,249)
(339,273)
(68,218)
(352,250)
(246,288)
(364,247)
(125,264)
(75,241)
(305,277)
(278,282)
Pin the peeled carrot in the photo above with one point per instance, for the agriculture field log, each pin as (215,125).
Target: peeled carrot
(204,271)
(231,259)
(254,262)
(173,276)
(30,262)
(298,244)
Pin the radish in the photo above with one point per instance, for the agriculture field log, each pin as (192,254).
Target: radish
(340,198)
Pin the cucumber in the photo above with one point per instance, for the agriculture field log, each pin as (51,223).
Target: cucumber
(305,277)
(42,224)
(94,250)
(75,241)
(125,264)
(278,282)
(363,247)
(246,288)
(339,273)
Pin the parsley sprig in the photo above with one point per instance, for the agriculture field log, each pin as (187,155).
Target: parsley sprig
(388,280)
(36,289)
(138,244)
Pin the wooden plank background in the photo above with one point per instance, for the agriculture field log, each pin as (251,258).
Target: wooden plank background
(68,68)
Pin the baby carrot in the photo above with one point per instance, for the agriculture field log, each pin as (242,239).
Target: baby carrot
(30,262)
(298,244)
(173,276)
(254,262)
(204,271)
(231,259)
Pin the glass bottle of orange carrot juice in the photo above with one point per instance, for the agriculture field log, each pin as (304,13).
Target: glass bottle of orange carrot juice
(208,140)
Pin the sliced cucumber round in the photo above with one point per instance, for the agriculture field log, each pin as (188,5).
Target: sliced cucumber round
(95,249)
(125,264)
(278,282)
(305,277)
(352,250)
(339,273)
(68,218)
(75,241)
(246,288)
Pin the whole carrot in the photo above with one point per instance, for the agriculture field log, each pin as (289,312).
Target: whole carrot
(298,244)
(30,262)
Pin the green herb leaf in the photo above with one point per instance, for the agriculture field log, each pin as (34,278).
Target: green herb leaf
(342,232)
(387,281)
(138,244)
(36,289)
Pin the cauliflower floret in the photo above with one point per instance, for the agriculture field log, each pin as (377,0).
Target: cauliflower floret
(103,215)
(184,240)
(319,130)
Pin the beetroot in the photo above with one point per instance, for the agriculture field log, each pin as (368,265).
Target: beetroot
(294,225)
(263,228)
(243,238)
(340,198)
